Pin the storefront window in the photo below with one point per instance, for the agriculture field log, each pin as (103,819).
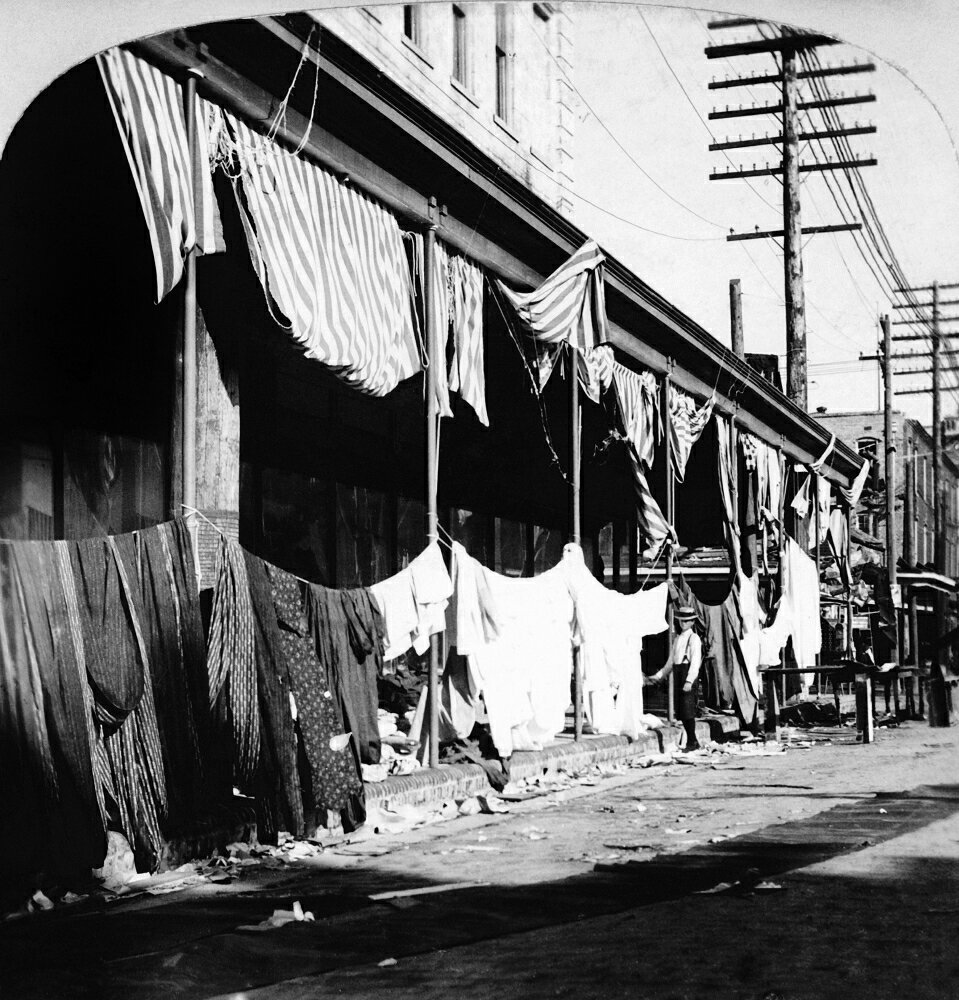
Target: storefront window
(363,536)
(510,538)
(296,516)
(111,484)
(547,547)
(471,530)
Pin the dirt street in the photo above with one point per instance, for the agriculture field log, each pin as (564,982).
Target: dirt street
(837,867)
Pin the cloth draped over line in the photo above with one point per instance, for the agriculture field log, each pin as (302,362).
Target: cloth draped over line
(852,495)
(610,628)
(515,635)
(768,464)
(413,603)
(637,399)
(102,690)
(727,491)
(331,259)
(176,195)
(797,613)
(686,423)
(569,308)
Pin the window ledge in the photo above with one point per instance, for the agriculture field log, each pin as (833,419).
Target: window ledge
(416,50)
(462,89)
(505,126)
(541,158)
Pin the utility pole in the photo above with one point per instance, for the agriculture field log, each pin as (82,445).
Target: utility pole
(736,318)
(788,44)
(892,549)
(796,381)
(931,329)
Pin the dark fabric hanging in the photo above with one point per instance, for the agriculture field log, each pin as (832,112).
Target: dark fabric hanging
(276,783)
(114,667)
(333,781)
(50,821)
(173,633)
(348,632)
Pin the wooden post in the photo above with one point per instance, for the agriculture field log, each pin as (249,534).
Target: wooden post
(432,463)
(892,548)
(575,518)
(671,521)
(936,696)
(817,527)
(736,318)
(796,388)
(189,326)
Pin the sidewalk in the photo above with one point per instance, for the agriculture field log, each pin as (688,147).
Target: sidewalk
(460,781)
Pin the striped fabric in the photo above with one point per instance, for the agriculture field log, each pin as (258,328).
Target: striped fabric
(727,491)
(638,395)
(570,306)
(467,369)
(633,395)
(176,198)
(686,424)
(596,370)
(331,259)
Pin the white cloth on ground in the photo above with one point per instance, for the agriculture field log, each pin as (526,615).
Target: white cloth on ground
(413,602)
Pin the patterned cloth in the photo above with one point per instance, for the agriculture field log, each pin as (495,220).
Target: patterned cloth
(687,421)
(749,446)
(636,397)
(334,781)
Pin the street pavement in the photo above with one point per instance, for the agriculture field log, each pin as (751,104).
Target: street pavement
(827,869)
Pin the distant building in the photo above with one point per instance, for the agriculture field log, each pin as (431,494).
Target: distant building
(915,540)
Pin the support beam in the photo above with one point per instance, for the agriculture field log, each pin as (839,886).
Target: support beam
(189,327)
(925,305)
(777,140)
(432,469)
(671,521)
(575,518)
(736,318)
(889,402)
(807,231)
(803,168)
(796,378)
(778,109)
(758,78)
(792,42)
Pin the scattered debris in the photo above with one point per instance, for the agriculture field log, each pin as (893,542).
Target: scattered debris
(386,963)
(281,918)
(426,890)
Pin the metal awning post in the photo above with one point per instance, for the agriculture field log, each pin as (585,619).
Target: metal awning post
(432,463)
(575,517)
(670,520)
(818,544)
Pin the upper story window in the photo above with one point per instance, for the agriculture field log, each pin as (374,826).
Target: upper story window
(504,74)
(461,65)
(412,23)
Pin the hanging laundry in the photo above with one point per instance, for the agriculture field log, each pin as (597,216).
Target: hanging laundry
(334,781)
(516,636)
(468,367)
(348,632)
(51,820)
(687,421)
(595,368)
(852,495)
(610,628)
(726,490)
(637,399)
(838,537)
(569,307)
(330,259)
(276,780)
(801,589)
(816,466)
(176,195)
(413,602)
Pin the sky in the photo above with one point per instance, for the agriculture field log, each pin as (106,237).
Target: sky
(641,77)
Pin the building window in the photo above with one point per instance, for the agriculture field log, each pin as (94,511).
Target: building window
(460,46)
(411,23)
(504,76)
(865,523)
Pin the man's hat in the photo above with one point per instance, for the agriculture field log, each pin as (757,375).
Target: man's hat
(684,613)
